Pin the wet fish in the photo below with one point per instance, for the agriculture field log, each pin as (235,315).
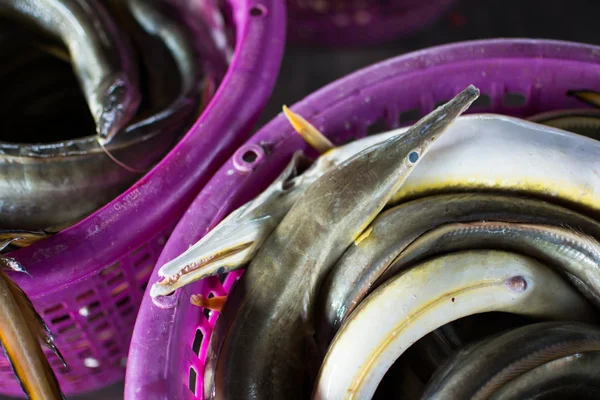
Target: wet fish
(21,328)
(235,240)
(258,347)
(584,121)
(574,376)
(436,292)
(572,253)
(591,97)
(22,237)
(101,58)
(355,273)
(479,372)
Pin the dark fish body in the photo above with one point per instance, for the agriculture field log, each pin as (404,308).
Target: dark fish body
(362,264)
(576,376)
(101,58)
(477,372)
(570,252)
(259,347)
(584,121)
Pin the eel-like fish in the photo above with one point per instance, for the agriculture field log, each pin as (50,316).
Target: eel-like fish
(441,290)
(21,330)
(101,58)
(572,253)
(585,121)
(258,347)
(487,153)
(392,231)
(576,376)
(479,370)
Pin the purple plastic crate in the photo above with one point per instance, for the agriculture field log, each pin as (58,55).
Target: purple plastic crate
(359,22)
(517,77)
(88,281)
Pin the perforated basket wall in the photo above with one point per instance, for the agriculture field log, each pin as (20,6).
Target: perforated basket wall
(359,22)
(88,281)
(516,77)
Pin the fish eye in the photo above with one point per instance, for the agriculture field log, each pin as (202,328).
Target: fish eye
(413,157)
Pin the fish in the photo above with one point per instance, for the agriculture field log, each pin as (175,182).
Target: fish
(22,237)
(479,371)
(585,121)
(249,226)
(156,27)
(21,330)
(258,348)
(574,376)
(572,253)
(362,265)
(101,57)
(429,295)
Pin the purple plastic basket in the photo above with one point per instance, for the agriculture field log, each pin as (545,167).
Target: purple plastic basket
(516,77)
(359,22)
(88,280)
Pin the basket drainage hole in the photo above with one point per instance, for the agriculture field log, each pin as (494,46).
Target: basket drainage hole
(192,381)
(258,11)
(514,100)
(197,342)
(378,126)
(483,101)
(250,156)
(410,115)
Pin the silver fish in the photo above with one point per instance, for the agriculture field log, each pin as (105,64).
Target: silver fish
(438,291)
(477,372)
(257,349)
(572,253)
(392,231)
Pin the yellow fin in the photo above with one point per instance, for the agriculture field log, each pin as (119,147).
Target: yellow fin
(213,303)
(363,235)
(309,133)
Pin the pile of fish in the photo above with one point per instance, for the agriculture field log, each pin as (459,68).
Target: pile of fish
(456,258)
(95,93)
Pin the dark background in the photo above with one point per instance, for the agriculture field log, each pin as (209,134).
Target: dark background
(305,69)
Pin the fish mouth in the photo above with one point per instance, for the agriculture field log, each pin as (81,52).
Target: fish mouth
(173,281)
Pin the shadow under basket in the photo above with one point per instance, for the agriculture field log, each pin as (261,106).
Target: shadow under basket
(359,22)
(517,77)
(88,280)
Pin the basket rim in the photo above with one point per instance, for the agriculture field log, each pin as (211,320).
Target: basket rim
(102,238)
(157,318)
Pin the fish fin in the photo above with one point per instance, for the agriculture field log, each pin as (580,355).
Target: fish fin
(363,235)
(10,264)
(14,370)
(213,303)
(5,243)
(590,97)
(36,324)
(309,133)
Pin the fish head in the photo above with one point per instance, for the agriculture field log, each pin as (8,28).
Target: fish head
(119,101)
(419,138)
(234,241)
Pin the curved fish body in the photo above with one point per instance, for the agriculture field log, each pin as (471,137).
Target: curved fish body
(235,240)
(477,372)
(258,348)
(584,121)
(20,332)
(101,58)
(21,237)
(158,19)
(362,264)
(432,294)
(575,376)
(570,252)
